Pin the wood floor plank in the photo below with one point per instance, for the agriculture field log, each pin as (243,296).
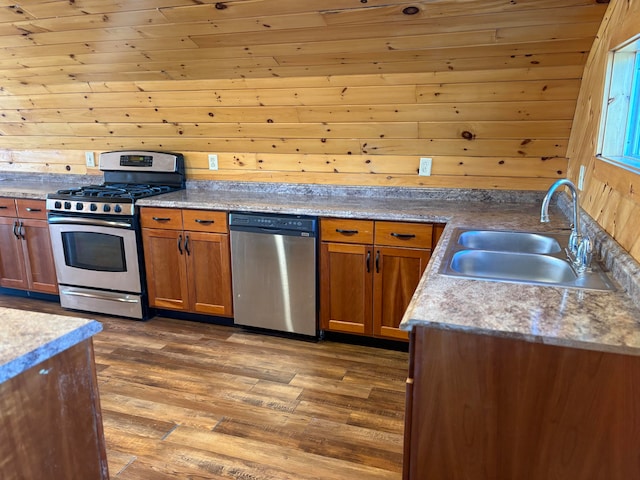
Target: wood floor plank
(354,444)
(158,410)
(306,465)
(324,385)
(183,399)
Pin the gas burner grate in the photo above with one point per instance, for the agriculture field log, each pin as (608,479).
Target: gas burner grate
(117,190)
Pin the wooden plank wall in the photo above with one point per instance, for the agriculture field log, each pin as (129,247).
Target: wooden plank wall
(488,91)
(611,194)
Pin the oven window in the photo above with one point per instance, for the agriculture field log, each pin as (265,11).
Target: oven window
(94,251)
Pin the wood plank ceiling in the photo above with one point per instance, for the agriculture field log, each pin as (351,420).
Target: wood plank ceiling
(53,42)
(399,79)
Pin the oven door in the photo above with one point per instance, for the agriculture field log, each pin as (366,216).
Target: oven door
(96,253)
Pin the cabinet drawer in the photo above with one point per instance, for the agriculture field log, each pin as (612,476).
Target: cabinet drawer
(7,207)
(35,209)
(400,234)
(167,218)
(346,230)
(205,221)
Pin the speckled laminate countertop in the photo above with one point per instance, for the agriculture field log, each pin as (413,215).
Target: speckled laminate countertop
(607,321)
(29,338)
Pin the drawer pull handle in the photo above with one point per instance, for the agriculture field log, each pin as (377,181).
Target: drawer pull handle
(403,236)
(3,206)
(346,232)
(204,222)
(378,261)
(368,261)
(180,244)
(29,209)
(161,219)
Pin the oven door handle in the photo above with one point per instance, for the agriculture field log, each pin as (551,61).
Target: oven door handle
(89,221)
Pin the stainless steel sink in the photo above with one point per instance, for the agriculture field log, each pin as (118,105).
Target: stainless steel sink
(526,267)
(520,257)
(508,241)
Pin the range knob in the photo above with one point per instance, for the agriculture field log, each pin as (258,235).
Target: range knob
(106,208)
(93,207)
(117,209)
(79,206)
(67,205)
(57,205)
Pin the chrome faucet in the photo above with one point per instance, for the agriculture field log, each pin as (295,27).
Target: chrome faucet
(580,248)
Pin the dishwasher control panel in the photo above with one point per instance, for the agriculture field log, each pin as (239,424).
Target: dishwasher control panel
(298,223)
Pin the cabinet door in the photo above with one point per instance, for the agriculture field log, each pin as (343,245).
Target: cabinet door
(166,268)
(209,273)
(346,287)
(38,256)
(12,270)
(397,273)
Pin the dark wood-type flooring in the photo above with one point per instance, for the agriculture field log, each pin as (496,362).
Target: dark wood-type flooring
(189,400)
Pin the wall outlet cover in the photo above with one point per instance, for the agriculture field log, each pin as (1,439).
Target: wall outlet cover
(90,159)
(213,161)
(425,167)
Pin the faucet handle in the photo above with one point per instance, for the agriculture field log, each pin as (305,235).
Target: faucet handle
(574,242)
(585,253)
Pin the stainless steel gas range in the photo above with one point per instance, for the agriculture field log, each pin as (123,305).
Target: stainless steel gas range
(95,232)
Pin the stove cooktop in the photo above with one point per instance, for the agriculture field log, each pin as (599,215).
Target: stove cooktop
(117,198)
(116,190)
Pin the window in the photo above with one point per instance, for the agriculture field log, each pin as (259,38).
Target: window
(619,140)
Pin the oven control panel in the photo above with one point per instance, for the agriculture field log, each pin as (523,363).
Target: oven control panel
(95,208)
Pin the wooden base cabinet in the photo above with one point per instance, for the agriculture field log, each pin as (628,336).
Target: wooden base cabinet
(187,260)
(369,271)
(492,408)
(26,256)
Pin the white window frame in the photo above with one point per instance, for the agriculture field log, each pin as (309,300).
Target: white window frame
(619,135)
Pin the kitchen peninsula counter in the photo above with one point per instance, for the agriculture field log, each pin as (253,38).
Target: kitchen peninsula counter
(29,338)
(49,403)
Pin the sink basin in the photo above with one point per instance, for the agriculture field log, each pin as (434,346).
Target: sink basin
(520,257)
(524,267)
(507,241)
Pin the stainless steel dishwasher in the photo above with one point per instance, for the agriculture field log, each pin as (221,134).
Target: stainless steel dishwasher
(273,265)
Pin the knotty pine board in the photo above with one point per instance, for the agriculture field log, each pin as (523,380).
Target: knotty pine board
(341,92)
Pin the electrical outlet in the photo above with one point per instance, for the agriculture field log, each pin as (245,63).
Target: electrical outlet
(90,159)
(213,161)
(425,167)
(581,177)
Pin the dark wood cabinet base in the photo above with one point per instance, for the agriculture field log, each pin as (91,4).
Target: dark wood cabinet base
(51,422)
(482,407)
